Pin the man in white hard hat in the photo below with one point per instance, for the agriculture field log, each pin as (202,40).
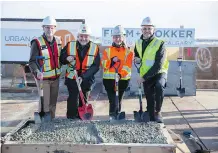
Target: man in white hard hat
(49,46)
(112,56)
(153,73)
(84,54)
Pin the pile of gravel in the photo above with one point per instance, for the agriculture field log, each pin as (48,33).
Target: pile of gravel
(91,132)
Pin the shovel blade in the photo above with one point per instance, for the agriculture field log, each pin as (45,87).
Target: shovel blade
(121,116)
(145,117)
(181,92)
(137,116)
(86,112)
(42,117)
(37,118)
(47,117)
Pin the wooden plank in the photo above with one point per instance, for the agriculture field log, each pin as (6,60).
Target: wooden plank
(77,148)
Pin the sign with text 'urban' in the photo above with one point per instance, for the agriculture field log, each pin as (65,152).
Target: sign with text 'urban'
(173,37)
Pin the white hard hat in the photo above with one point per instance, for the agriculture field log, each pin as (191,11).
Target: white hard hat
(118,30)
(147,21)
(84,29)
(49,20)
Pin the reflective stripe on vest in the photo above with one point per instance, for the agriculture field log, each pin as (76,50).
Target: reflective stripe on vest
(148,58)
(90,57)
(47,69)
(111,75)
(108,55)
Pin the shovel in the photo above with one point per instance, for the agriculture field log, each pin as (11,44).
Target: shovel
(85,111)
(189,135)
(119,115)
(40,117)
(180,90)
(140,116)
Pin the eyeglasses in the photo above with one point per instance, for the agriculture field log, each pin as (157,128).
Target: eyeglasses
(118,36)
(147,29)
(49,27)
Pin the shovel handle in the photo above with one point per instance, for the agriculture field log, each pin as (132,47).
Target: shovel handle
(73,64)
(116,84)
(37,62)
(79,88)
(137,65)
(118,66)
(179,60)
(42,58)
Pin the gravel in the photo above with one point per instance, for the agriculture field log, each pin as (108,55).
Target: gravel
(91,132)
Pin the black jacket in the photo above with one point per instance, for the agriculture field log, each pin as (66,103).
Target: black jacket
(82,51)
(159,59)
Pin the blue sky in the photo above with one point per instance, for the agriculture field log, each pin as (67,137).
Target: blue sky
(201,15)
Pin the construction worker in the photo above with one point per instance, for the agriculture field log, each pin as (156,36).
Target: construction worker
(112,56)
(49,46)
(84,54)
(153,72)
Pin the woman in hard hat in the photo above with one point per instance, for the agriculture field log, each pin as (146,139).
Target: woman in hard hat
(113,56)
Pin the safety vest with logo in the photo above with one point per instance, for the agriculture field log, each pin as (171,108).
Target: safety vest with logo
(124,55)
(51,64)
(148,58)
(87,61)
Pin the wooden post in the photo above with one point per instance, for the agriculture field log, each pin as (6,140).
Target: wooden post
(181,49)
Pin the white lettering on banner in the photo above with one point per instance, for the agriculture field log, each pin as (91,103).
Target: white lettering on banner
(173,37)
(178,43)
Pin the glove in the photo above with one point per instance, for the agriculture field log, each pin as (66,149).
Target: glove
(115,59)
(80,80)
(137,60)
(140,80)
(70,59)
(39,75)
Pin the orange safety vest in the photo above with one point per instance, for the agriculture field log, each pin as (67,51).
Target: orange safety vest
(52,66)
(126,58)
(86,63)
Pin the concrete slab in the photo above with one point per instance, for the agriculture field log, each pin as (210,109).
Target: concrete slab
(204,124)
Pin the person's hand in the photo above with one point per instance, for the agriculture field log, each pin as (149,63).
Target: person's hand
(115,59)
(80,80)
(70,58)
(137,60)
(140,80)
(39,75)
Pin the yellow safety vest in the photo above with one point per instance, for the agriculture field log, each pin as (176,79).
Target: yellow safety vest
(48,71)
(149,55)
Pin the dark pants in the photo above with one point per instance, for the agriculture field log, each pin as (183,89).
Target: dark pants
(110,89)
(154,93)
(74,100)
